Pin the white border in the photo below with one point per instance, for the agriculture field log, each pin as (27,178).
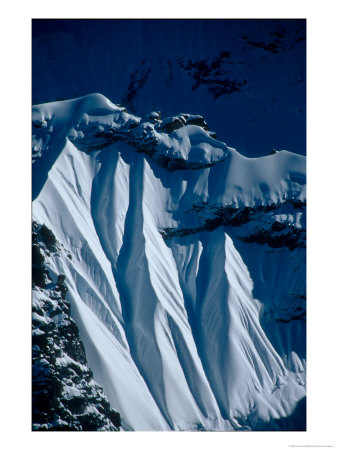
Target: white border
(322,80)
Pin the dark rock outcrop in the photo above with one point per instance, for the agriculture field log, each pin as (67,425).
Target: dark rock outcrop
(171,124)
(265,229)
(195,120)
(146,135)
(65,396)
(214,74)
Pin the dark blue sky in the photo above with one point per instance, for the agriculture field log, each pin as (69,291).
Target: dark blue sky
(246,77)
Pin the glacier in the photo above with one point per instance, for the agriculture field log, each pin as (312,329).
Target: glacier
(184,262)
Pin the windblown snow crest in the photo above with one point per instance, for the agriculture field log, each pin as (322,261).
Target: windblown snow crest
(187,270)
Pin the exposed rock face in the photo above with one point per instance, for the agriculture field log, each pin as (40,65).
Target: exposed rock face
(137,81)
(149,136)
(261,224)
(65,396)
(214,74)
(171,124)
(195,120)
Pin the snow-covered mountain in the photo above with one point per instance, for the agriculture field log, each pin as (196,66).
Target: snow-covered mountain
(184,263)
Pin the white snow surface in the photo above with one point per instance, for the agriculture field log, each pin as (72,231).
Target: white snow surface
(176,330)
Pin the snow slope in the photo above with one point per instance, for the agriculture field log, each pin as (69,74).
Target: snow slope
(186,273)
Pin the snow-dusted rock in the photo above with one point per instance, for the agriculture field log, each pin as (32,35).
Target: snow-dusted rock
(65,396)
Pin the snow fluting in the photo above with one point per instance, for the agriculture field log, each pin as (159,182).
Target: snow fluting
(186,275)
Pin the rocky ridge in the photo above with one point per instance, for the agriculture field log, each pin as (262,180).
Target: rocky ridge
(260,224)
(65,396)
(150,135)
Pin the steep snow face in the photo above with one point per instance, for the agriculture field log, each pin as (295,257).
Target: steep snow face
(187,269)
